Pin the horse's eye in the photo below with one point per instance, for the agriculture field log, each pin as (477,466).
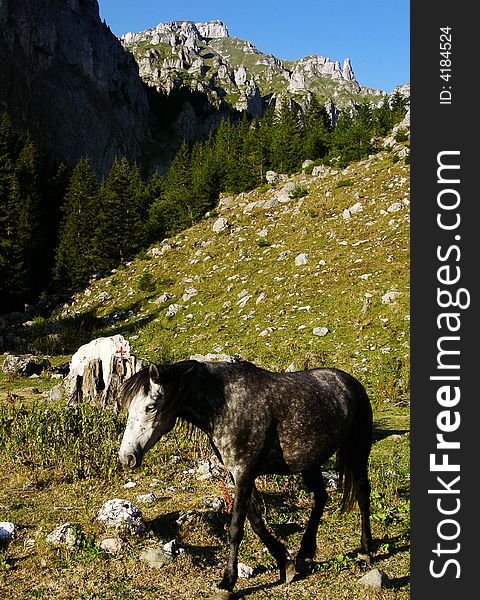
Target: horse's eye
(150,408)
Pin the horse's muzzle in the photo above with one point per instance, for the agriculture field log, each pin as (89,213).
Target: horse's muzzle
(130,460)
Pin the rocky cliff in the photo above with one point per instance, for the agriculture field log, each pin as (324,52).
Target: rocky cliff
(65,77)
(204,58)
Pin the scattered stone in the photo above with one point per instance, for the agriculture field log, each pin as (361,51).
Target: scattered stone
(375,580)
(221,224)
(172,548)
(346,214)
(173,309)
(356,208)
(307,164)
(122,515)
(261,297)
(244,571)
(320,331)
(272,177)
(25,365)
(63,535)
(331,479)
(156,558)
(395,207)
(214,503)
(114,545)
(285,194)
(302,259)
(165,297)
(129,485)
(209,469)
(189,294)
(292,367)
(390,297)
(7,532)
(147,498)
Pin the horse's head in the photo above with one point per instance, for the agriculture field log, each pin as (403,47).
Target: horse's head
(152,411)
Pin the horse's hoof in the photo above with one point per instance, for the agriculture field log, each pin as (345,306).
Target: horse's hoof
(304,566)
(290,571)
(222,595)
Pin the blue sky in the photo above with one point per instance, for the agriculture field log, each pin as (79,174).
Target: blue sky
(374,34)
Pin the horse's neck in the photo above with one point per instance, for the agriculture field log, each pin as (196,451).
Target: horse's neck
(199,406)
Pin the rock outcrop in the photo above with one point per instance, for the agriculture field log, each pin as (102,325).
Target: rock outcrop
(67,79)
(203,57)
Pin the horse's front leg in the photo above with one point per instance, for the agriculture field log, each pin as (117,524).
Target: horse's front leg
(243,491)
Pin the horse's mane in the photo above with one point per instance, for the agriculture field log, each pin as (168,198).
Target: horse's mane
(140,381)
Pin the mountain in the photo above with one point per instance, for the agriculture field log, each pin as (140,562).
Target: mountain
(206,59)
(65,77)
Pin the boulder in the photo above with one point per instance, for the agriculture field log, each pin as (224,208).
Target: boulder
(63,535)
(221,224)
(122,516)
(7,532)
(26,365)
(375,580)
(98,369)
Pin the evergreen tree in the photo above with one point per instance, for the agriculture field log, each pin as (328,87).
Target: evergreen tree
(287,137)
(121,224)
(75,259)
(317,130)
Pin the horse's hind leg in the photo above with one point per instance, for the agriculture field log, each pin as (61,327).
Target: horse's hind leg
(362,485)
(274,546)
(313,480)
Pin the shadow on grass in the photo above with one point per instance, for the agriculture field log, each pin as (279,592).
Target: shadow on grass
(380,433)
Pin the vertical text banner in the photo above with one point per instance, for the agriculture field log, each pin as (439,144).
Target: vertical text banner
(445,242)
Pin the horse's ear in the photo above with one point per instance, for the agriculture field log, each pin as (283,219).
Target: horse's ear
(154,373)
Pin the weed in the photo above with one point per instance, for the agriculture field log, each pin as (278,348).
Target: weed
(344,183)
(5,562)
(299,192)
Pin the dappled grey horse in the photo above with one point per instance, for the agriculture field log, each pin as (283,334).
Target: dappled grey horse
(260,422)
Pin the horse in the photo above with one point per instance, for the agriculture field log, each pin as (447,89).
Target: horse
(260,422)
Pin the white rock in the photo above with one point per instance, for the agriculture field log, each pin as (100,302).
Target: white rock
(302,259)
(189,293)
(320,331)
(121,515)
(147,498)
(346,214)
(261,297)
(221,224)
(129,485)
(395,207)
(244,571)
(375,580)
(356,208)
(63,535)
(173,309)
(165,297)
(271,177)
(7,532)
(113,546)
(390,297)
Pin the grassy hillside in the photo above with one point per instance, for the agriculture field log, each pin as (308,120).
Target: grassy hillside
(241,292)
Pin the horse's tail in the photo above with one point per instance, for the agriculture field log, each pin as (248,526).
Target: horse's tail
(352,455)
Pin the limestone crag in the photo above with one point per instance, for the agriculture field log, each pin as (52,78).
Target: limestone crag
(205,58)
(66,78)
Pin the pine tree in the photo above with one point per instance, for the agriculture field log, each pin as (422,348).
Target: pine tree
(180,208)
(75,259)
(121,224)
(317,130)
(287,140)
